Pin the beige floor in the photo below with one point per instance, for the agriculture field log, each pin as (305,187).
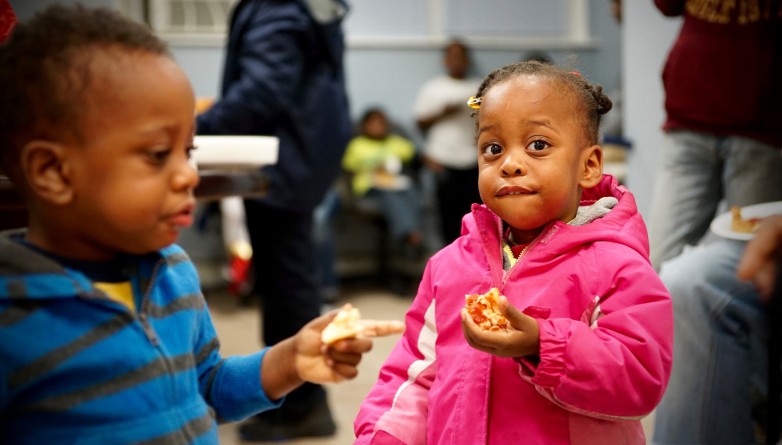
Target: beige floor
(238,326)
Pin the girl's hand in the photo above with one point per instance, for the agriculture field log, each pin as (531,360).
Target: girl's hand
(520,340)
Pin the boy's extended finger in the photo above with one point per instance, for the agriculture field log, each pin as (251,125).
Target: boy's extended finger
(382,328)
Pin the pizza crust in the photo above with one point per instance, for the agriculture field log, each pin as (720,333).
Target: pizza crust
(347,324)
(485,310)
(740,224)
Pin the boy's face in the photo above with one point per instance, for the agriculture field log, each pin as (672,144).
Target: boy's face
(532,155)
(131,179)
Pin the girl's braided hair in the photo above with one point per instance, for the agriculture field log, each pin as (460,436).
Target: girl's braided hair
(594,102)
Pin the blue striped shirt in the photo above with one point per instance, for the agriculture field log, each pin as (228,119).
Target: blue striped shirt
(78,367)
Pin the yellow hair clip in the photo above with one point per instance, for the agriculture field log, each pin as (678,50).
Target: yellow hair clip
(474,103)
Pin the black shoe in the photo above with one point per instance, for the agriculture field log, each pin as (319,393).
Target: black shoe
(316,423)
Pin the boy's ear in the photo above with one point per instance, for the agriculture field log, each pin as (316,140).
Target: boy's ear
(43,167)
(592,163)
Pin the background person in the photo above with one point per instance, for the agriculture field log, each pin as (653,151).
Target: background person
(284,77)
(722,143)
(718,385)
(449,150)
(377,161)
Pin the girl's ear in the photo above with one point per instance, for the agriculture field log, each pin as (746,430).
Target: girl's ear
(44,170)
(592,164)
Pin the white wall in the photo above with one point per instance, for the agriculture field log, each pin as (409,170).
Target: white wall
(647,36)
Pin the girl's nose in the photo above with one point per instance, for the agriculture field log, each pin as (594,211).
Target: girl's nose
(513,166)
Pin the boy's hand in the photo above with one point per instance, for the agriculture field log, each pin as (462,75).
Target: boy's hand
(320,363)
(304,357)
(520,340)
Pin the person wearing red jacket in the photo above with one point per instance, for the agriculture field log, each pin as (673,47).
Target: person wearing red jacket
(723,125)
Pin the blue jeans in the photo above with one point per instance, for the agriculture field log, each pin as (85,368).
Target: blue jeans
(400,208)
(323,237)
(720,356)
(698,171)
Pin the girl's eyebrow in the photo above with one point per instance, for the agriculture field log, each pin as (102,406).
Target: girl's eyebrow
(542,123)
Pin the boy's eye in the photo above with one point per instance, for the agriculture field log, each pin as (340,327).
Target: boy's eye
(159,156)
(189,150)
(538,145)
(492,150)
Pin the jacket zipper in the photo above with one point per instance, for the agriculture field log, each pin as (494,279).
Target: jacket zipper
(142,313)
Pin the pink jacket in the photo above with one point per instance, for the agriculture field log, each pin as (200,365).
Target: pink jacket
(606,333)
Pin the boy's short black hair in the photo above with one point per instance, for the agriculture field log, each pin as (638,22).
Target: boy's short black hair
(45,71)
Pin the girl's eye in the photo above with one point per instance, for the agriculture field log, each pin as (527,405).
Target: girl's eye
(538,145)
(492,150)
(190,151)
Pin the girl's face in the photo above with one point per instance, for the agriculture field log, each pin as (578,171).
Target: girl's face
(132,181)
(532,154)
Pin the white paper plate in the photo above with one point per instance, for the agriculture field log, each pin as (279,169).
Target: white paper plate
(721,224)
(235,151)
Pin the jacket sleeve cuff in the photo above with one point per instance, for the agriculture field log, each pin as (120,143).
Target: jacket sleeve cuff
(547,368)
(238,393)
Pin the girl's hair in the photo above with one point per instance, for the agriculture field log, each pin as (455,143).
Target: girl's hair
(593,101)
(46,70)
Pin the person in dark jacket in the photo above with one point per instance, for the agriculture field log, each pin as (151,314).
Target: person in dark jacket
(284,76)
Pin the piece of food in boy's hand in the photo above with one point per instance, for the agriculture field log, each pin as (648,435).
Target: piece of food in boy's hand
(485,310)
(347,324)
(743,225)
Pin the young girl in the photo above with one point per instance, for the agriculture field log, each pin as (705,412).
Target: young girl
(588,351)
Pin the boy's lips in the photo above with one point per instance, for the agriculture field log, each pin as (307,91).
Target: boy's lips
(184,217)
(513,190)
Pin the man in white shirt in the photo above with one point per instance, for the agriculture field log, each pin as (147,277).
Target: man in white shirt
(442,115)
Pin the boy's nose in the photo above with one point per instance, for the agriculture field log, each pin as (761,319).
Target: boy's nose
(186,176)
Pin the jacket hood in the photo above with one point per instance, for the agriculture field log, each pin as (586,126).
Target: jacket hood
(623,225)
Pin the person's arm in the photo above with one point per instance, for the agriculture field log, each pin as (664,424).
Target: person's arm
(615,361)
(272,59)
(762,255)
(395,410)
(426,122)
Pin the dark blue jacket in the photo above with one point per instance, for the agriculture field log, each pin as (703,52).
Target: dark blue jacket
(284,76)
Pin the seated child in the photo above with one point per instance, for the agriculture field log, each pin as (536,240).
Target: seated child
(587,352)
(376,159)
(105,337)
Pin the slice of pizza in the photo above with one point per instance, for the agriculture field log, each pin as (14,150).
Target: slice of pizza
(485,310)
(743,225)
(347,324)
